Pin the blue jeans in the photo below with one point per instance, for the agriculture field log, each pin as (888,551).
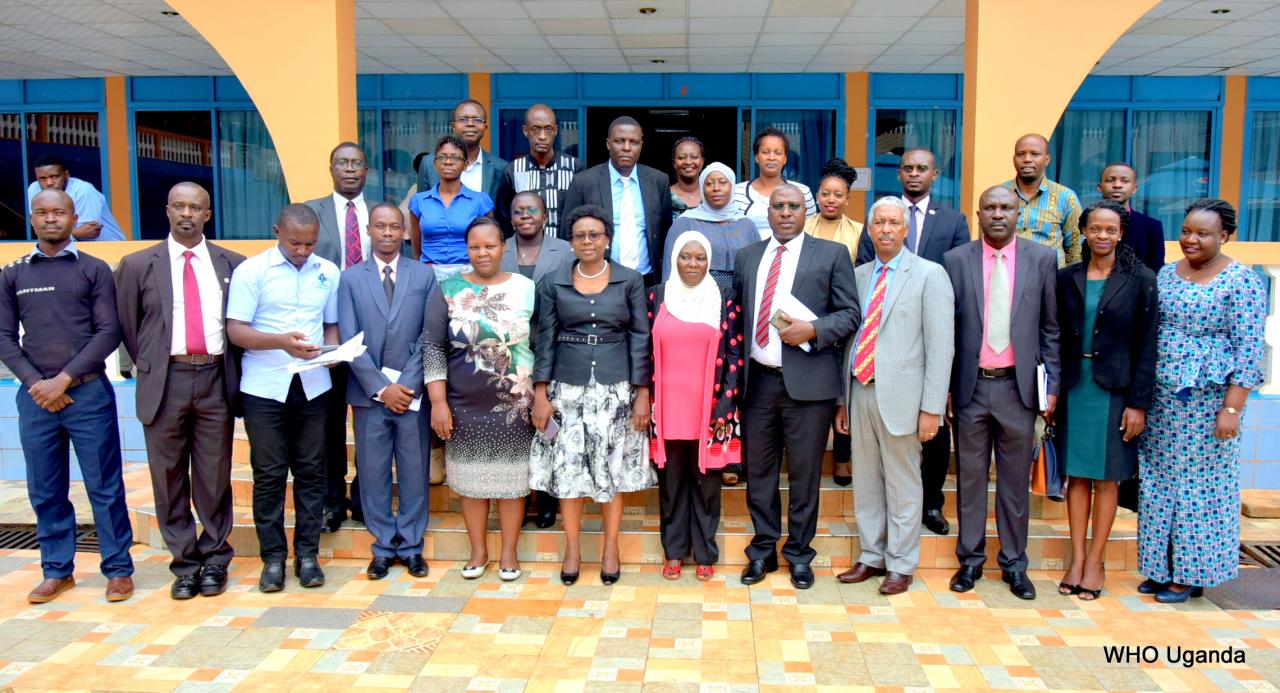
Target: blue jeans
(89,423)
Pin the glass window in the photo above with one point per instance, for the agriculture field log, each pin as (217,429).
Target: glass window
(367,124)
(811,139)
(172,147)
(898,130)
(13,196)
(1171,152)
(406,133)
(513,143)
(251,184)
(72,137)
(1261,211)
(1082,145)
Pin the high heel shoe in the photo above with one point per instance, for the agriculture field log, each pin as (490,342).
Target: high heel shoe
(1171,596)
(568,578)
(610,578)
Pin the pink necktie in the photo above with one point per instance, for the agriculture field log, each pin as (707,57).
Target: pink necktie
(354,255)
(193,317)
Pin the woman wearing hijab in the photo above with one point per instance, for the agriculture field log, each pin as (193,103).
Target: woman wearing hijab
(697,338)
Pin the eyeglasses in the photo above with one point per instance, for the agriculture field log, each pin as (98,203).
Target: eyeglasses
(450,157)
(531,211)
(181,207)
(468,120)
(592,236)
(908,168)
(781,206)
(887,223)
(356,164)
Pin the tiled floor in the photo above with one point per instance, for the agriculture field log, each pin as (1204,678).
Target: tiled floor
(443,633)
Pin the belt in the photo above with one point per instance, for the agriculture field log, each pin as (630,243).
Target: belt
(84,379)
(993,373)
(196,359)
(591,339)
(767,367)
(1086,356)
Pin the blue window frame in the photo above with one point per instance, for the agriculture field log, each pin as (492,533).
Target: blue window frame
(1260,182)
(915,110)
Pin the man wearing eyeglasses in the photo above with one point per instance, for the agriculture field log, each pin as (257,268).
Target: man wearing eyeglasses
(483,169)
(543,171)
(933,229)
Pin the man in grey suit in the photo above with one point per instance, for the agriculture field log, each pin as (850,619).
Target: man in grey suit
(1006,326)
(483,169)
(908,337)
(385,298)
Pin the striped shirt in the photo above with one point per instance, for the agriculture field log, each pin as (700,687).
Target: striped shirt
(1051,217)
(524,174)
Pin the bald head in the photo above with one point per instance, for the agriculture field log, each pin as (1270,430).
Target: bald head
(998,215)
(188,210)
(53,217)
(540,128)
(1030,158)
(53,196)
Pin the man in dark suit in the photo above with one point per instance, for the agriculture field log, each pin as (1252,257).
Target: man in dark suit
(1145,234)
(638,197)
(934,229)
(1006,325)
(171,299)
(344,217)
(790,393)
(483,169)
(385,297)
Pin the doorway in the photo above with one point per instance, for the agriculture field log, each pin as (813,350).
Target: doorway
(716,127)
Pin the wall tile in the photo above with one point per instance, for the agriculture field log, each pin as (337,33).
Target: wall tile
(1268,445)
(1266,475)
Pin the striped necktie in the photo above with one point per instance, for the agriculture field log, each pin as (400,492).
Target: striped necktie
(864,360)
(354,254)
(766,301)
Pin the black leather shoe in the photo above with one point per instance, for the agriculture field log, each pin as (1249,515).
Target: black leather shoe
(965,577)
(213,580)
(841,480)
(308,572)
(357,514)
(936,523)
(332,521)
(610,578)
(272,578)
(378,567)
(415,564)
(547,507)
(757,569)
(1150,586)
(801,576)
(1019,584)
(185,587)
(568,579)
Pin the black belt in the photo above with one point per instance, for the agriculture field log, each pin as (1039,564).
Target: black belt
(767,367)
(84,379)
(591,339)
(196,359)
(993,373)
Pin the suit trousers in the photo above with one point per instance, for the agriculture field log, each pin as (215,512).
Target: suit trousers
(690,504)
(994,418)
(382,436)
(772,422)
(189,453)
(886,486)
(335,448)
(287,438)
(935,461)
(90,424)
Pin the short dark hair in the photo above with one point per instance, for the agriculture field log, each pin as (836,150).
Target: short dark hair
(702,151)
(417,161)
(298,213)
(770,132)
(483,221)
(449,139)
(387,205)
(342,145)
(473,102)
(623,120)
(1111,206)
(48,160)
(589,212)
(1120,163)
(1226,213)
(838,168)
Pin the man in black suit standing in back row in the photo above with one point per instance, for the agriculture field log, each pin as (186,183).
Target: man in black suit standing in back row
(934,228)
(789,398)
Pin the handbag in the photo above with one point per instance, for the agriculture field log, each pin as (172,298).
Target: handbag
(1046,475)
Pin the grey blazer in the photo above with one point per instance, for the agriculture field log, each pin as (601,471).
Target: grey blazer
(915,344)
(392,333)
(329,244)
(944,228)
(1033,326)
(491,167)
(555,253)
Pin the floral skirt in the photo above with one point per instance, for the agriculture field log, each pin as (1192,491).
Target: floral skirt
(598,453)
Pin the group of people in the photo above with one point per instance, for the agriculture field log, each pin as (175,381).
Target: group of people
(579,339)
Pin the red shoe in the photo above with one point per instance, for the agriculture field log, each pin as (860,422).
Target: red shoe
(705,573)
(671,570)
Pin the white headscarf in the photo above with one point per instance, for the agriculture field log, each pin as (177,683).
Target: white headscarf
(704,211)
(694,304)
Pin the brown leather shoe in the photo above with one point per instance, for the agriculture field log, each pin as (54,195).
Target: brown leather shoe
(860,572)
(49,590)
(895,583)
(119,588)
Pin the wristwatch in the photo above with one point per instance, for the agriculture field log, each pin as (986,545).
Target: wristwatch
(1231,410)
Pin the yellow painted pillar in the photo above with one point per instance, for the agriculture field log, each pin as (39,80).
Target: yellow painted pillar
(297,60)
(857,107)
(1231,159)
(478,88)
(1010,91)
(119,153)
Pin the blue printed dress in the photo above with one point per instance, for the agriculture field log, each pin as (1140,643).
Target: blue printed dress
(1211,336)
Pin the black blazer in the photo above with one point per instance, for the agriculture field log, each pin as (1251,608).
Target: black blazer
(1124,334)
(1146,237)
(592,187)
(825,284)
(944,228)
(618,313)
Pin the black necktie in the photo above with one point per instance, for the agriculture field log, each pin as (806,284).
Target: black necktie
(388,284)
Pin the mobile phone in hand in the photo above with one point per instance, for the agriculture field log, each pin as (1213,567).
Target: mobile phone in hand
(551,429)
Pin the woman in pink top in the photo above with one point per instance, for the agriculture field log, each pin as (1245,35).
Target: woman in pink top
(697,357)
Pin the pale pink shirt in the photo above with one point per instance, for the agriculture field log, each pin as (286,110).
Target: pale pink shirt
(988,358)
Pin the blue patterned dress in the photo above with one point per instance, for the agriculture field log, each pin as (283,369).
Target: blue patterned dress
(1211,336)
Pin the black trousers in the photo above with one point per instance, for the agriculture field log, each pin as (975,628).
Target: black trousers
(189,453)
(690,502)
(935,459)
(335,448)
(287,438)
(773,421)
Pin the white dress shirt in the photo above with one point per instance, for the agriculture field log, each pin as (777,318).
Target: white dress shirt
(772,354)
(210,297)
(922,208)
(362,218)
(382,265)
(473,175)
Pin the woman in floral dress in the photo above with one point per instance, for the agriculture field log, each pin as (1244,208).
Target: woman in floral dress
(477,364)
(1210,349)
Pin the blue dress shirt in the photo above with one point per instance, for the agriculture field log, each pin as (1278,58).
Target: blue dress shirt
(444,229)
(90,205)
(637,204)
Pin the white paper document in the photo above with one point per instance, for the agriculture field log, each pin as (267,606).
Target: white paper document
(1042,386)
(346,353)
(394,376)
(795,310)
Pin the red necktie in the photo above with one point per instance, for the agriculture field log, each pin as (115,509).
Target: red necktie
(864,359)
(766,301)
(193,317)
(354,255)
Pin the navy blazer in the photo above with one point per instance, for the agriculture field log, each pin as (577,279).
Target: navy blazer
(1146,237)
(944,228)
(391,332)
(1124,332)
(592,187)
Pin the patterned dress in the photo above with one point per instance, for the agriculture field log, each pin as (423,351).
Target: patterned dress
(477,339)
(1211,336)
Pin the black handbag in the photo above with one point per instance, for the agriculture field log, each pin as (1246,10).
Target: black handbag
(1129,494)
